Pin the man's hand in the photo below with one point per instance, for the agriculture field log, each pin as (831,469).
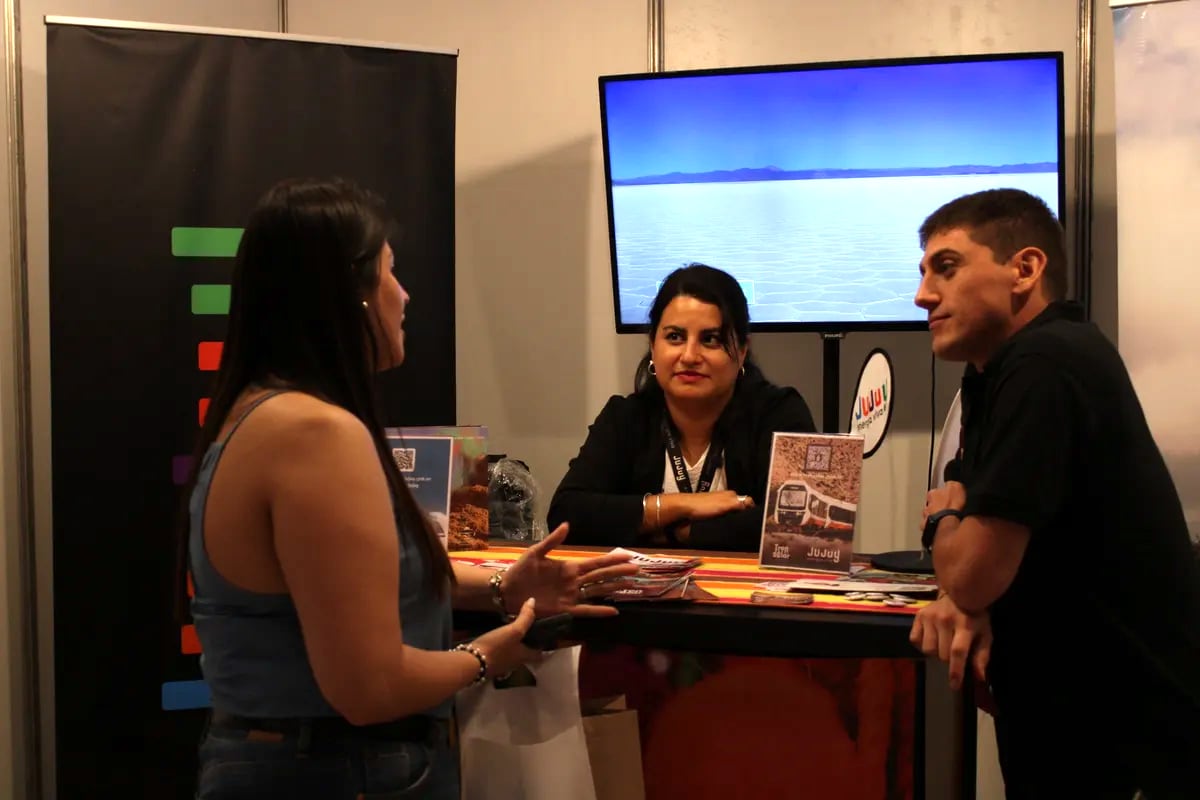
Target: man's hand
(942,629)
(952,495)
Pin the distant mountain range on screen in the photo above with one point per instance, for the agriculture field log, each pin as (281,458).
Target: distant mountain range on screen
(748,174)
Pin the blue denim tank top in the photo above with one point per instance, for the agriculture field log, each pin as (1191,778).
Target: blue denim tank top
(252,651)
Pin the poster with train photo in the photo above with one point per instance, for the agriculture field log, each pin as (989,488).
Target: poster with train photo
(813,490)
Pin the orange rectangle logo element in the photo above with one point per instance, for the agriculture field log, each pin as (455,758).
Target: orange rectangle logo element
(203,409)
(208,356)
(189,643)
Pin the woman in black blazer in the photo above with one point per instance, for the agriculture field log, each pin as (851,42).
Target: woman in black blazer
(683,460)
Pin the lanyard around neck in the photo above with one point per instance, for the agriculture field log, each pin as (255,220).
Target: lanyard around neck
(679,469)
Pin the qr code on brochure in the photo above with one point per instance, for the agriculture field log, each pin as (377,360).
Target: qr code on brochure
(405,457)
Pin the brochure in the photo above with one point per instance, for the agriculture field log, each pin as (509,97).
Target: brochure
(813,489)
(445,467)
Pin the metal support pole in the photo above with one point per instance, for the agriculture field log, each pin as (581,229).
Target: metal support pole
(26,675)
(655,36)
(1084,153)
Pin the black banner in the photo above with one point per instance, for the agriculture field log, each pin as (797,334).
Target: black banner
(159,144)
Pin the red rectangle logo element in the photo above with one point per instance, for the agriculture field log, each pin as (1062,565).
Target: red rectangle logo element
(189,643)
(208,356)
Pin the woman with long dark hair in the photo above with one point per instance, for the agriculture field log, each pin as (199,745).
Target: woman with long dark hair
(322,595)
(683,460)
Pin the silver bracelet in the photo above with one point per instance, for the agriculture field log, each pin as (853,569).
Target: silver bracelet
(495,582)
(479,656)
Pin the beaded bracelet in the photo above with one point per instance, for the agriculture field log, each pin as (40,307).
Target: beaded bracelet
(479,656)
(498,595)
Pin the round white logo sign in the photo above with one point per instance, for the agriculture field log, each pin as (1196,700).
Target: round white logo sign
(871,407)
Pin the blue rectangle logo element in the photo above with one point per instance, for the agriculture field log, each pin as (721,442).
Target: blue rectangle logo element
(180,695)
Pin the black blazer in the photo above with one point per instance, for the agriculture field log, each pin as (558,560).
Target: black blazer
(623,458)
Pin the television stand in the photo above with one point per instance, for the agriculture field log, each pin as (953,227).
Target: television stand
(831,387)
(916,562)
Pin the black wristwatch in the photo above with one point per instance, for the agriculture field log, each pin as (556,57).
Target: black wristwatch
(931,524)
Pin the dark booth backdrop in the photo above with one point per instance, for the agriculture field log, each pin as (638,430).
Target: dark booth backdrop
(160,141)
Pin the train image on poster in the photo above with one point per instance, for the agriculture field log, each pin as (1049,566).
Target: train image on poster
(798,504)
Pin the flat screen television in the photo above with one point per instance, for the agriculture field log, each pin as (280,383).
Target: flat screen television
(808,182)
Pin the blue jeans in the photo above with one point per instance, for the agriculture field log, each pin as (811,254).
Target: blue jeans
(237,764)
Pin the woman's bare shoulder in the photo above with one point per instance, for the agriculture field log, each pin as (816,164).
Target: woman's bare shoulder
(302,419)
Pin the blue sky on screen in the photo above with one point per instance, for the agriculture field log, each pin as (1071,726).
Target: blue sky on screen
(917,115)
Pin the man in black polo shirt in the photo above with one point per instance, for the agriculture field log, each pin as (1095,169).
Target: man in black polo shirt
(1059,524)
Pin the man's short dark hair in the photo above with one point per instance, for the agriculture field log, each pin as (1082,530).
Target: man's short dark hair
(1007,220)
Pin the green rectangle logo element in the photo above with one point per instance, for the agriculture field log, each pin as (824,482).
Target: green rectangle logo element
(210,298)
(205,242)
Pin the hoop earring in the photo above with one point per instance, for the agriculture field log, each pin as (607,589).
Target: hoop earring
(651,369)
(743,370)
